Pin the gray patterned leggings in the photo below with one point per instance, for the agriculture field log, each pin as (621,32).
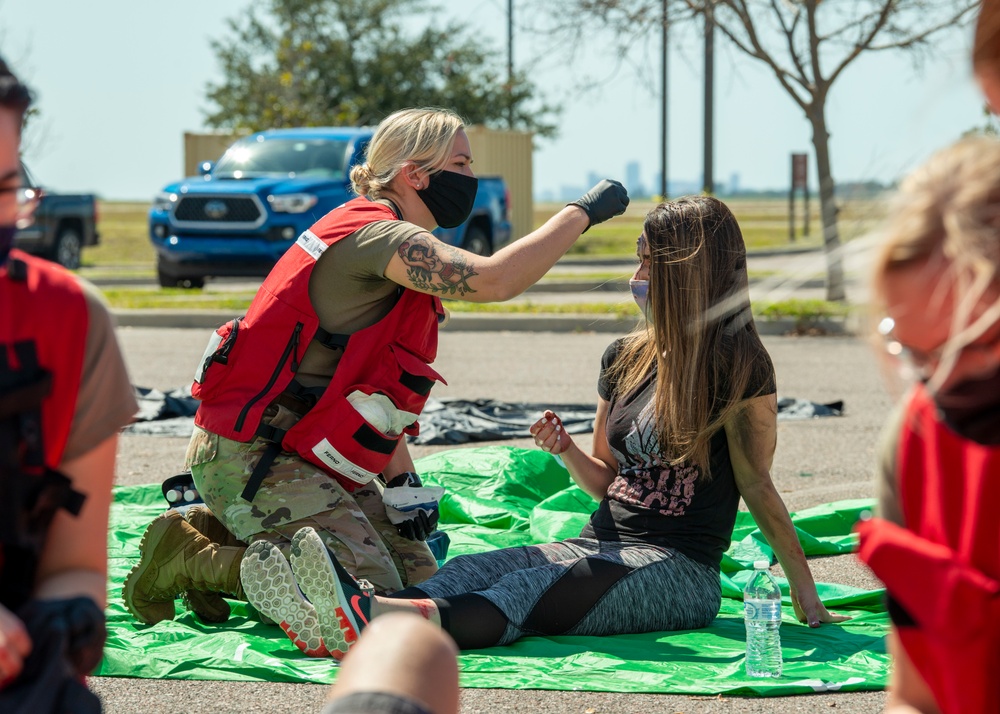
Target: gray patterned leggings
(580,586)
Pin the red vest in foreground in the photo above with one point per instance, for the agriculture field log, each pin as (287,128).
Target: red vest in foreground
(252,360)
(45,305)
(43,335)
(944,567)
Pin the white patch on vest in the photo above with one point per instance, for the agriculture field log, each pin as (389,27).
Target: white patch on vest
(325,452)
(213,344)
(311,244)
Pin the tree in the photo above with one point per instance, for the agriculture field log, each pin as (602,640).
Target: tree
(807,44)
(353,62)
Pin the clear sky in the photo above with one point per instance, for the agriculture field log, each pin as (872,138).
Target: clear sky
(120,81)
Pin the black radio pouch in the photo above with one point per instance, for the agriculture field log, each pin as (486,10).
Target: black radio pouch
(30,493)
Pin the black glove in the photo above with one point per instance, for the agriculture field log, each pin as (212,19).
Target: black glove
(67,642)
(412,507)
(605,200)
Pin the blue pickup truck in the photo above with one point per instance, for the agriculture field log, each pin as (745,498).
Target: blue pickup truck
(243,212)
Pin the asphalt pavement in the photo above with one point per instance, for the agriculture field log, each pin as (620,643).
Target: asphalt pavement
(817,461)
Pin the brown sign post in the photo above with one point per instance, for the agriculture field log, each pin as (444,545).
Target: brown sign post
(800,180)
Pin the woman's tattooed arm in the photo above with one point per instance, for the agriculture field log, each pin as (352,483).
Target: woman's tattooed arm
(434,267)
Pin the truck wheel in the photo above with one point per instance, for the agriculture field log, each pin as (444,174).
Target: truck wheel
(68,248)
(171,281)
(476,241)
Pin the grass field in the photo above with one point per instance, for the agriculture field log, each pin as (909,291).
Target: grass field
(125,242)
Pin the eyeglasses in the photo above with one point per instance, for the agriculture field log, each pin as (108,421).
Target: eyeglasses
(903,352)
(20,203)
(922,363)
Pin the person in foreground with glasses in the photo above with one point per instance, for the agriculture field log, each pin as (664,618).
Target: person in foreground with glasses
(936,544)
(64,394)
(686,425)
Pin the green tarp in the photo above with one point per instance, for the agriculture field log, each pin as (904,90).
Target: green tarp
(503,496)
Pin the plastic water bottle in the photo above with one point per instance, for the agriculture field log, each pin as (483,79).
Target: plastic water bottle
(762,615)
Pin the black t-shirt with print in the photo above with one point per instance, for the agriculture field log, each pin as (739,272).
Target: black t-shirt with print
(671,506)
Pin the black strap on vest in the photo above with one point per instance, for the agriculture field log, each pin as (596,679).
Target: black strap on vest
(273,436)
(261,470)
(331,340)
(17,270)
(297,398)
(30,493)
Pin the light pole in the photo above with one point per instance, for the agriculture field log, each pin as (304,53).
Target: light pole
(664,183)
(708,174)
(510,64)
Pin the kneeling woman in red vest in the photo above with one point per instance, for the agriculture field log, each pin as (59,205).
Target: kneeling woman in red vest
(306,400)
(64,394)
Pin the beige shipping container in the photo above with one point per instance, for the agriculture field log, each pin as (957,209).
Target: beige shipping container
(495,153)
(507,154)
(201,147)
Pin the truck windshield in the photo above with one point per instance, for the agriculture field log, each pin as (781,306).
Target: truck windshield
(319,158)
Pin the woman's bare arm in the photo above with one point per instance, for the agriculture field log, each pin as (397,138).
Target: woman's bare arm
(752,437)
(74,560)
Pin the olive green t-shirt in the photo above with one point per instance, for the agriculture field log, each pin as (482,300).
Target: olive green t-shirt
(887,480)
(106,400)
(349,290)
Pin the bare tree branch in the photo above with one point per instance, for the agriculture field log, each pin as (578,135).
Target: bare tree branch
(789,31)
(866,38)
(913,40)
(755,49)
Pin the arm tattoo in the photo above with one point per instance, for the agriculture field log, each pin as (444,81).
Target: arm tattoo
(434,267)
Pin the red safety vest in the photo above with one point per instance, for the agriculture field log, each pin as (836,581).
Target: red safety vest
(252,360)
(43,335)
(944,567)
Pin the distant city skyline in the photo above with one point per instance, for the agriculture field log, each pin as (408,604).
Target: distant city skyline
(639,187)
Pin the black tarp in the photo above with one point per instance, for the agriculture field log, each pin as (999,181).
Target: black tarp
(443,421)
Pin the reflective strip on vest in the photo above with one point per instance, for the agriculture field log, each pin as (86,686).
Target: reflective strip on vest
(311,244)
(325,452)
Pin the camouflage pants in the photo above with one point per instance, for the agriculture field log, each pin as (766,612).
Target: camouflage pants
(296,494)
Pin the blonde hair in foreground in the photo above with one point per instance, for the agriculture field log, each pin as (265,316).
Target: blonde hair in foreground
(702,338)
(423,136)
(947,213)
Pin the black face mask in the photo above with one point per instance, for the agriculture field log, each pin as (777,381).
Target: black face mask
(449,197)
(6,241)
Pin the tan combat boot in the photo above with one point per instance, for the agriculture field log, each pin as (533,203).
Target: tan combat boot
(175,557)
(210,606)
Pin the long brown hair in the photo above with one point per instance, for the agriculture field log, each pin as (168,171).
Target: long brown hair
(701,335)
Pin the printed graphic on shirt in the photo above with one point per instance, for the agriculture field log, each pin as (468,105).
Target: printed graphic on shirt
(643,480)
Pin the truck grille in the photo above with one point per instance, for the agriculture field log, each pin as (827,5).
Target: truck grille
(219,210)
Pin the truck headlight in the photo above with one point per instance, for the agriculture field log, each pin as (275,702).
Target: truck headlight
(292,202)
(164,201)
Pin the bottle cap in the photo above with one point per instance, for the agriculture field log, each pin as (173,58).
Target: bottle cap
(761,565)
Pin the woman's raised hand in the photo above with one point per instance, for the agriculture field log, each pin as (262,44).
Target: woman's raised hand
(549,433)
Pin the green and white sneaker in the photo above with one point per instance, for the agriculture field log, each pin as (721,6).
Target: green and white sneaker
(270,587)
(343,606)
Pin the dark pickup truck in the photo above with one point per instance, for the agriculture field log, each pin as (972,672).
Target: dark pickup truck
(64,224)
